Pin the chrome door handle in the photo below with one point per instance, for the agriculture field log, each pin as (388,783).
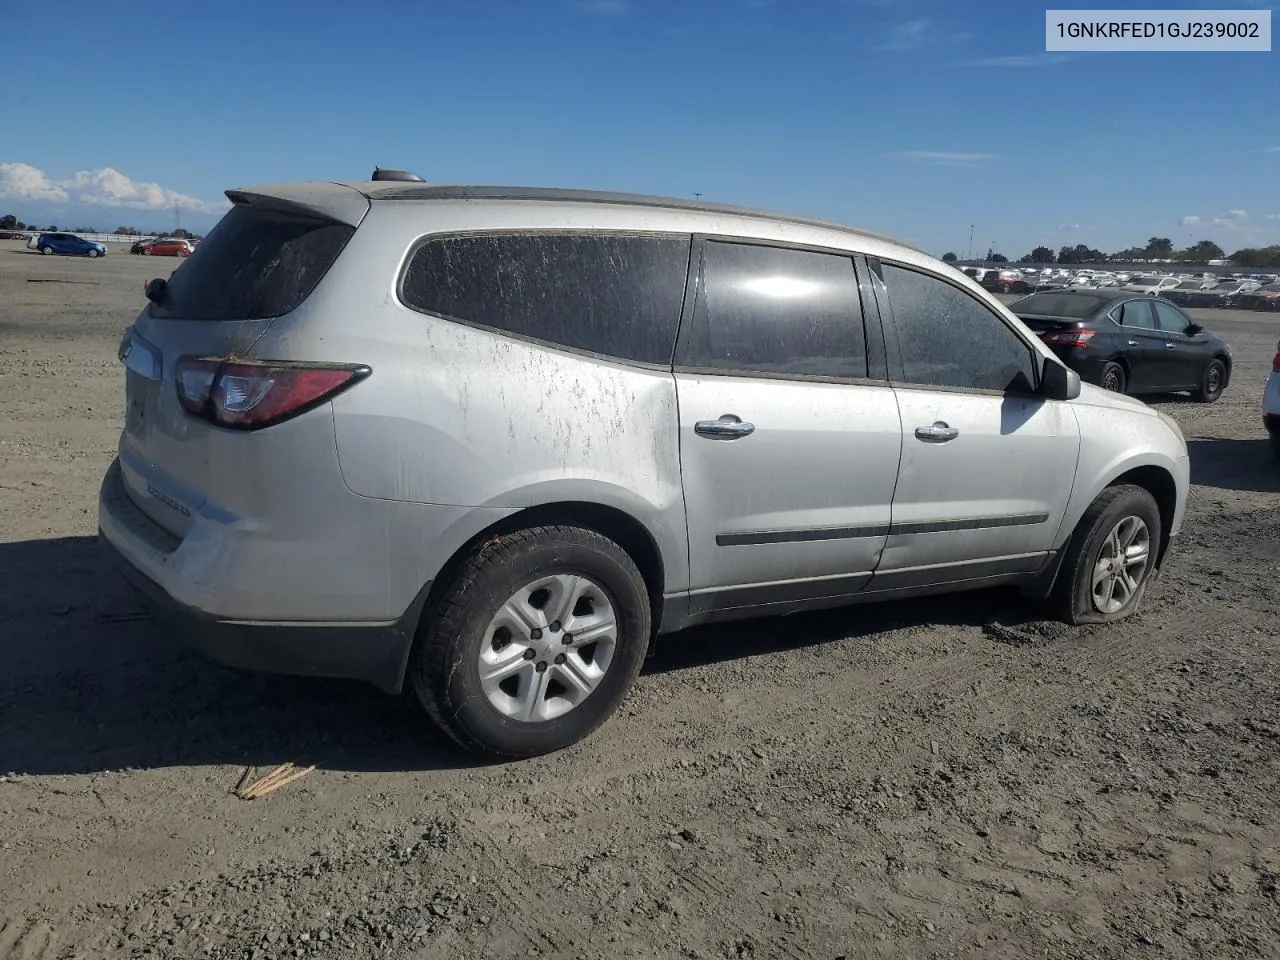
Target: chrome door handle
(1133,343)
(1169,346)
(728,427)
(937,433)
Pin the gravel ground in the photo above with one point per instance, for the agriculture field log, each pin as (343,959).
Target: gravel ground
(942,778)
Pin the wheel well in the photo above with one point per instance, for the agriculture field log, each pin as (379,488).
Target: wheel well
(620,527)
(1159,483)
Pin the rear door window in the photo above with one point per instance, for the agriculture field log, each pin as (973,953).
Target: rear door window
(950,339)
(1136,314)
(776,311)
(254,265)
(613,294)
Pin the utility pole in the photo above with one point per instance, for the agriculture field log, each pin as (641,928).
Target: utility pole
(697,196)
(971,241)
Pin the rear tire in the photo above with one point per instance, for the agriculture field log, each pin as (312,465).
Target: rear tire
(47,251)
(1212,382)
(1109,559)
(510,613)
(1113,378)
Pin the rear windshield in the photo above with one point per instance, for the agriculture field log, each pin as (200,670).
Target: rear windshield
(1059,305)
(255,264)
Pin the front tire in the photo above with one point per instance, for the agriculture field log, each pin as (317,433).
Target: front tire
(47,251)
(534,643)
(92,253)
(1113,378)
(1212,383)
(1109,558)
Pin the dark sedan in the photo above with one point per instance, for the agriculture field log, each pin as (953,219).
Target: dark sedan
(1129,343)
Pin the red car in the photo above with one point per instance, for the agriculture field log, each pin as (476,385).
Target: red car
(166,247)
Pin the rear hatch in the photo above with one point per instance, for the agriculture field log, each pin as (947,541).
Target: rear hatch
(261,261)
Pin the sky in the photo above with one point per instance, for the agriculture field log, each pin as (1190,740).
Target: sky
(913,118)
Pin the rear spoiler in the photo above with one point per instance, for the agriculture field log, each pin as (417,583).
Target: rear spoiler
(331,201)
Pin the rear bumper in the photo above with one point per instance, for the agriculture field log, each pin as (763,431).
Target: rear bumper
(374,652)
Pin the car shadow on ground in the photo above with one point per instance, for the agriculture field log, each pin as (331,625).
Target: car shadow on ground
(92,684)
(1243,465)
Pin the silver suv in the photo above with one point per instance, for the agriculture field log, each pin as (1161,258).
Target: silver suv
(493,440)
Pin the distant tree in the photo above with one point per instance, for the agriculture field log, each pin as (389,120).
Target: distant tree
(949,257)
(1202,252)
(51,228)
(1040,255)
(1159,248)
(126,231)
(1255,257)
(183,233)
(23,226)
(1080,254)
(8,222)
(84,230)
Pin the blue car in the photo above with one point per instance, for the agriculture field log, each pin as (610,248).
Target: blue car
(69,245)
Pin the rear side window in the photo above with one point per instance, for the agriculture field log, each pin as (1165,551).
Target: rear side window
(777,311)
(613,294)
(1136,313)
(255,264)
(950,339)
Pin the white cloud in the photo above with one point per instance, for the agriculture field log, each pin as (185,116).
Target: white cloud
(1190,221)
(1021,60)
(914,34)
(20,181)
(1235,215)
(1271,150)
(1273,216)
(106,187)
(946,158)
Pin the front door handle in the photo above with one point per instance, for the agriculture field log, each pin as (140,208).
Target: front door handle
(1133,343)
(1169,346)
(728,427)
(937,433)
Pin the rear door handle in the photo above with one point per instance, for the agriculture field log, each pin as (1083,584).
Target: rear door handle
(1169,346)
(937,433)
(728,427)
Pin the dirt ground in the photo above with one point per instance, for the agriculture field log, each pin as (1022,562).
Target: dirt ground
(942,778)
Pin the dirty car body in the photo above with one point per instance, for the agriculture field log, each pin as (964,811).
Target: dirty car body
(352,397)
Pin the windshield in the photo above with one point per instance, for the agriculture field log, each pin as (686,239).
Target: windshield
(1071,305)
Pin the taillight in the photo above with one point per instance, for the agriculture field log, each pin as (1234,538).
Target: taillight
(1068,338)
(248,394)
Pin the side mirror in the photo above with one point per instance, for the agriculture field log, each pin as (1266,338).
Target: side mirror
(1057,381)
(156,289)
(1193,329)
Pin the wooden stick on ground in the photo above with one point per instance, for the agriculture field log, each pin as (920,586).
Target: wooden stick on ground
(249,791)
(244,779)
(282,781)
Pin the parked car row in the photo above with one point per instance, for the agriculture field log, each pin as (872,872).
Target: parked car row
(1247,292)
